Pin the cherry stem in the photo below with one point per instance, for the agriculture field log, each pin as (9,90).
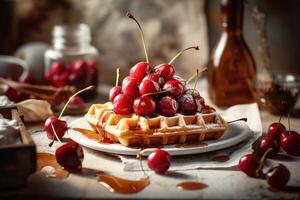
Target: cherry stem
(180,52)
(197,77)
(262,160)
(139,157)
(51,143)
(204,69)
(129,15)
(236,120)
(153,93)
(80,91)
(117,76)
(53,129)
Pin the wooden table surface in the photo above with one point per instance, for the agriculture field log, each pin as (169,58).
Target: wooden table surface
(222,183)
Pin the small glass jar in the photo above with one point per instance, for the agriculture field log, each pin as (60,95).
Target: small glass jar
(72,60)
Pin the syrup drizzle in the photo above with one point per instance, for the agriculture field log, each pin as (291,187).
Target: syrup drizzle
(123,186)
(221,158)
(191,145)
(191,185)
(48,161)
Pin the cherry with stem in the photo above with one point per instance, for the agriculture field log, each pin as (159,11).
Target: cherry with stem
(290,141)
(59,125)
(141,69)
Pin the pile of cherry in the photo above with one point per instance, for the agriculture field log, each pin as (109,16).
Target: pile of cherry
(147,92)
(79,73)
(268,146)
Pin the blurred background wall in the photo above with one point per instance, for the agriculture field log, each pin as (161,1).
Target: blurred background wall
(169,26)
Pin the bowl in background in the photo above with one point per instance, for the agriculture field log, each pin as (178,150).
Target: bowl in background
(279,95)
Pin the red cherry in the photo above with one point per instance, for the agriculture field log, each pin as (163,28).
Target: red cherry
(57,67)
(126,79)
(15,95)
(148,86)
(59,126)
(75,79)
(249,164)
(92,64)
(93,70)
(200,103)
(60,80)
(139,71)
(167,106)
(144,106)
(114,92)
(275,130)
(187,104)
(159,161)
(277,177)
(48,78)
(180,79)
(174,88)
(70,156)
(79,67)
(266,143)
(283,135)
(77,102)
(131,88)
(122,104)
(155,77)
(166,71)
(290,142)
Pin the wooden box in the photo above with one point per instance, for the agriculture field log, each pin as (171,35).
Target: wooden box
(17,160)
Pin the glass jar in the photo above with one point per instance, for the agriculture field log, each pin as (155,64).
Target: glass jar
(72,60)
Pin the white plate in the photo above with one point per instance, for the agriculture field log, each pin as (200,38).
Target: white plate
(236,133)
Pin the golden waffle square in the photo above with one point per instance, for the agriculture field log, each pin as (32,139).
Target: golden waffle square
(135,130)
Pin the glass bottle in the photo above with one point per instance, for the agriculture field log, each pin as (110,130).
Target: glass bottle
(231,67)
(72,60)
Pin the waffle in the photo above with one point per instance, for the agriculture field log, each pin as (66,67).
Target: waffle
(135,130)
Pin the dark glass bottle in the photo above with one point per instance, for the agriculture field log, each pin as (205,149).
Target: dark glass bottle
(231,67)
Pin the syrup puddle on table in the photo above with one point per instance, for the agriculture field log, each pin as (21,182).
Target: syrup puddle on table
(222,158)
(191,145)
(93,135)
(191,185)
(48,165)
(123,186)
